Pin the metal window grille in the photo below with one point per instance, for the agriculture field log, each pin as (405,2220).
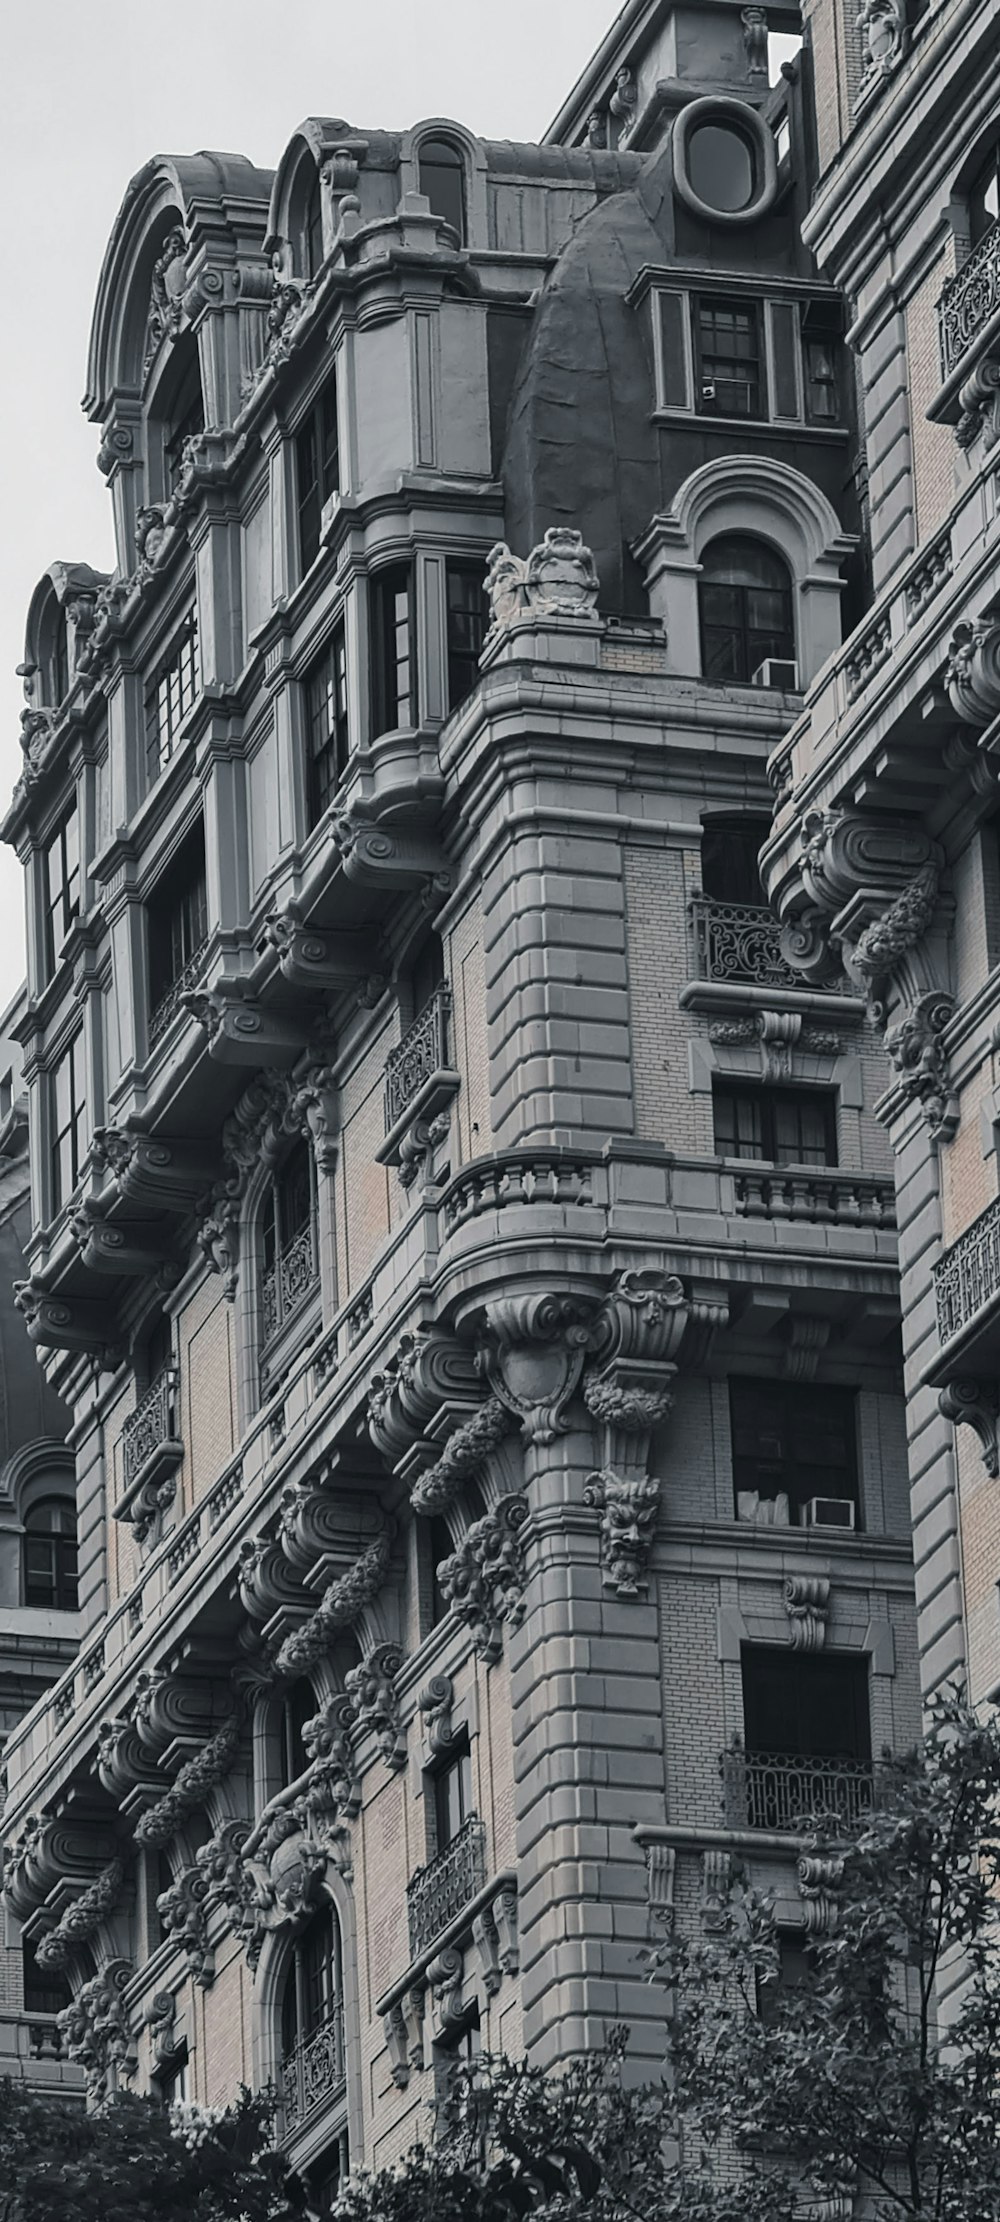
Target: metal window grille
(438,1892)
(422,1052)
(968,1276)
(151,1424)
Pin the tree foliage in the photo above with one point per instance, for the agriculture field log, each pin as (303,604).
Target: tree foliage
(843,2092)
(135,2161)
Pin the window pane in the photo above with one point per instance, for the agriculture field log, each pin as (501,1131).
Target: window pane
(467,620)
(442,179)
(729,851)
(720,166)
(745,607)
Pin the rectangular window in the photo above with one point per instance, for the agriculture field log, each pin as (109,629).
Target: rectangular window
(171,696)
(452,1799)
(394,649)
(822,397)
(793,1441)
(810,1706)
(326,722)
(62,885)
(729,369)
(317,469)
(467,622)
(177,925)
(775,1126)
(67,1114)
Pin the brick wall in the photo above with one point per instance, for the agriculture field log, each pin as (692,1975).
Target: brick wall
(208,1391)
(934,451)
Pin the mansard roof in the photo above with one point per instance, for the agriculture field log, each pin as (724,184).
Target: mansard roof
(207,195)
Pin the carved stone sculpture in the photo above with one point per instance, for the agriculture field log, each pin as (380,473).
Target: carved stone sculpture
(462,1455)
(341,1604)
(483,1579)
(558,579)
(882,24)
(972,672)
(916,1049)
(624,101)
(754,21)
(628,1508)
(97,2031)
(83,1918)
(196,1777)
(976,1404)
(371,1688)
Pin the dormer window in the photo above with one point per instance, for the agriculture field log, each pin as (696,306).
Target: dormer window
(441,170)
(745,608)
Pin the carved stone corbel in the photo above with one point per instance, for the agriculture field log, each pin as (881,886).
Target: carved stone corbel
(57,1323)
(628,1506)
(916,1050)
(976,1404)
(371,1687)
(83,1918)
(634,1343)
(820,1879)
(486,1939)
(158,1173)
(243,1033)
(397,2046)
(387,856)
(483,1579)
(446,1976)
(661,1877)
(807,1603)
(320,963)
(97,2030)
(532,1352)
(430,1382)
(716,1882)
(436,1702)
(972,672)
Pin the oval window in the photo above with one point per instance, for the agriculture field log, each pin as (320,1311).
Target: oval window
(721,167)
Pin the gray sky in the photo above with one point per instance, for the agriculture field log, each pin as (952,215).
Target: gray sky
(87,94)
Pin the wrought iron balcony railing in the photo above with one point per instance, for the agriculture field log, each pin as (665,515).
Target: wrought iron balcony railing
(188,977)
(289,1281)
(967,1278)
(151,1426)
(739,941)
(438,1892)
(970,299)
(313,2071)
(779,1791)
(422,1052)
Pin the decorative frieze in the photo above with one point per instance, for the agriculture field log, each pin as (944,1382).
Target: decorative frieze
(628,1505)
(483,1579)
(807,1603)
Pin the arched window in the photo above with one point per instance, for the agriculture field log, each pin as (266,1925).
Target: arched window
(312,2019)
(984,197)
(50,1554)
(289,1267)
(185,416)
(441,170)
(744,608)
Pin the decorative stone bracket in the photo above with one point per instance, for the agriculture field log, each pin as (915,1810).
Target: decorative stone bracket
(487,1927)
(976,1404)
(807,1603)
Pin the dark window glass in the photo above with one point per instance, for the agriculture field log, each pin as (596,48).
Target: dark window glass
(59,669)
(394,649)
(822,397)
(730,367)
(745,608)
(440,1547)
(984,197)
(68,1111)
(467,622)
(170,696)
(721,166)
(810,1707)
(442,179)
(328,2177)
(425,973)
(317,469)
(730,848)
(452,1798)
(777,1126)
(312,1986)
(312,229)
(796,1972)
(45,1990)
(177,921)
(186,418)
(327,726)
(793,1440)
(62,885)
(50,1554)
(288,1241)
(172,2085)
(298,1708)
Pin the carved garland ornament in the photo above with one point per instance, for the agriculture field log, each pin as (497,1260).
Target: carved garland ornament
(97,2031)
(83,1918)
(195,1778)
(483,1579)
(341,1604)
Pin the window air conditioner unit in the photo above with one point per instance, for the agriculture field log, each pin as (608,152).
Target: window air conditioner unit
(777,671)
(828,1512)
(710,392)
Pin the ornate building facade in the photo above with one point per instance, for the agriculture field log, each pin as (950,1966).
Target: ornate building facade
(462,1231)
(884,856)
